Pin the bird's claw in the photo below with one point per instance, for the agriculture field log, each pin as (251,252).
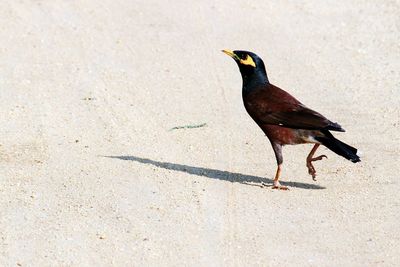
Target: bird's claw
(281,187)
(311,169)
(278,186)
(319,158)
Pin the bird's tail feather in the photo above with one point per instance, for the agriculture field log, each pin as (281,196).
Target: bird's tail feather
(339,147)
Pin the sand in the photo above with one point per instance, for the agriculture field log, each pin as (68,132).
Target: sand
(91,173)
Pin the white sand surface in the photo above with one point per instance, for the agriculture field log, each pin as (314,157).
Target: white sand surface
(91,175)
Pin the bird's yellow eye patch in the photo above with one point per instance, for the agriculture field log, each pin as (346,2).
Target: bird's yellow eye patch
(248,61)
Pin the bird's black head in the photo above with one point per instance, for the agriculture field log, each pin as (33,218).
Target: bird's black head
(250,65)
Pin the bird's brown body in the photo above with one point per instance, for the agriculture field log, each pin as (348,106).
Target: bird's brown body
(286,136)
(271,99)
(283,119)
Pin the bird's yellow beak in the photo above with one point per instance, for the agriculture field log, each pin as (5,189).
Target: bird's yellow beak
(248,61)
(231,54)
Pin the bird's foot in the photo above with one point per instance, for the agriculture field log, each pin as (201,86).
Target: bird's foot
(311,169)
(274,186)
(277,185)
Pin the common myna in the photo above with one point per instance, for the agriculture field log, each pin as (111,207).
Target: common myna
(285,120)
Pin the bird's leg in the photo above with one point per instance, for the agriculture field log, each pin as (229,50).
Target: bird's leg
(310,159)
(279,160)
(277,184)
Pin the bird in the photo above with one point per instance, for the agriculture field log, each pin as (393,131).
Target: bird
(284,119)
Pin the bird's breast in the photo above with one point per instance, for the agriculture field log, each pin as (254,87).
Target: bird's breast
(288,136)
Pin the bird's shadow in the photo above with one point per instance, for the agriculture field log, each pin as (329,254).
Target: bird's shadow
(233,177)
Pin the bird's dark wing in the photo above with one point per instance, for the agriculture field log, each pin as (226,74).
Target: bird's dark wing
(300,118)
(272,105)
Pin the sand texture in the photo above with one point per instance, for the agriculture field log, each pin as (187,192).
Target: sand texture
(93,173)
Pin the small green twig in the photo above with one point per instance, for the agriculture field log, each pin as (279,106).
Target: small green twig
(188,126)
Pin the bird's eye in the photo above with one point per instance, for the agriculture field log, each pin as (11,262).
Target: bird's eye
(245,59)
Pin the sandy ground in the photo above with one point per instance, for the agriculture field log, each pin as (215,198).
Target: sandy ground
(91,175)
